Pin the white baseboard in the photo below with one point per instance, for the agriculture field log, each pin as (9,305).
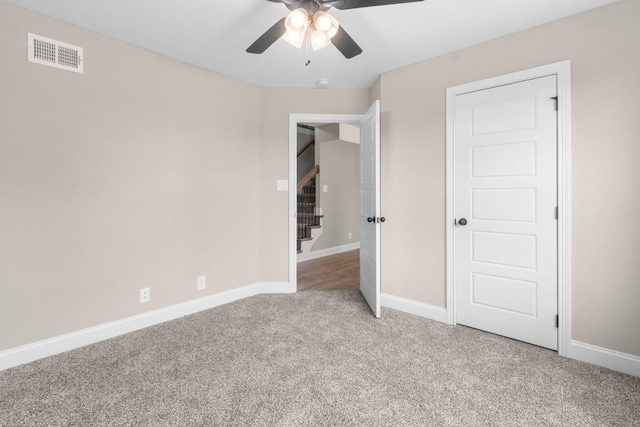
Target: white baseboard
(49,347)
(277,288)
(307,256)
(413,307)
(615,360)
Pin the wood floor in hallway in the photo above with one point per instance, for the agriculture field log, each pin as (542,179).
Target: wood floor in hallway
(339,271)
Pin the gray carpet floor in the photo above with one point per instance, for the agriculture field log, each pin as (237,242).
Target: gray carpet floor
(314,358)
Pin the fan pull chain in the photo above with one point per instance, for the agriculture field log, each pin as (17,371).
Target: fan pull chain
(306,47)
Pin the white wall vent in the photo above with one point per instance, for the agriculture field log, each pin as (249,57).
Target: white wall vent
(53,53)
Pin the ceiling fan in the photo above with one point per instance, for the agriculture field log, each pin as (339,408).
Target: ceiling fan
(309,21)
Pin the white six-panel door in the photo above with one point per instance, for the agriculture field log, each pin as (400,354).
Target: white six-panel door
(505,235)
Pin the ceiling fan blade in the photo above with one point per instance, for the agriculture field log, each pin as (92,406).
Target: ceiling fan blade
(354,4)
(268,38)
(345,44)
(291,4)
(286,1)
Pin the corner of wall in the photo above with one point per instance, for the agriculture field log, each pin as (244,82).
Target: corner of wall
(375,91)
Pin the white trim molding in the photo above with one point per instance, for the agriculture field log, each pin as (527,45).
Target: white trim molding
(615,360)
(413,307)
(622,362)
(62,343)
(276,288)
(562,71)
(306,256)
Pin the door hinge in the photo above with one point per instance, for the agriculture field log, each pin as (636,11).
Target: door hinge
(555,98)
(557,321)
(557,213)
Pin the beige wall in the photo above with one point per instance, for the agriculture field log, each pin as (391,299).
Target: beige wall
(148,172)
(275,107)
(603,47)
(340,171)
(140,172)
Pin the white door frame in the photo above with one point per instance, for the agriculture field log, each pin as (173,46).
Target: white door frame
(563,72)
(294,119)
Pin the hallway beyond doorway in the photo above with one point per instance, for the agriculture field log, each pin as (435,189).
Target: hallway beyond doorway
(333,272)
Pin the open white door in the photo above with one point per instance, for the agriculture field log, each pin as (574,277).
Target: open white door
(370,207)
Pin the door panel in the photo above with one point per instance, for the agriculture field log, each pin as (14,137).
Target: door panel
(514,295)
(504,249)
(517,159)
(513,204)
(370,207)
(506,188)
(504,115)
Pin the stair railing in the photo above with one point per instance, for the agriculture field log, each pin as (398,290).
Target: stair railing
(312,174)
(306,147)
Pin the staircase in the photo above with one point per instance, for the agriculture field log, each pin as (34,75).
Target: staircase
(307,215)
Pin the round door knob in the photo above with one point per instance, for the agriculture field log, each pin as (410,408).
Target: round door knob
(462,221)
(370,219)
(382,219)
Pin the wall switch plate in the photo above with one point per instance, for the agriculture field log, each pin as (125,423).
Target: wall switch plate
(349,235)
(145,295)
(282,184)
(202,282)
(325,188)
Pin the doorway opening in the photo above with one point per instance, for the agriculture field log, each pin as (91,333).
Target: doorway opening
(328,206)
(368,189)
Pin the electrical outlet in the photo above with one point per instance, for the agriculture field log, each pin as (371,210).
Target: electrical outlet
(349,235)
(145,295)
(202,282)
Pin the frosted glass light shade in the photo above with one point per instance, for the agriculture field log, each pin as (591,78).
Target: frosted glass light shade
(296,24)
(320,28)
(295,38)
(318,40)
(326,24)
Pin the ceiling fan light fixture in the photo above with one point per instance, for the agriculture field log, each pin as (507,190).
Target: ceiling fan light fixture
(308,17)
(294,37)
(297,20)
(325,24)
(319,40)
(297,23)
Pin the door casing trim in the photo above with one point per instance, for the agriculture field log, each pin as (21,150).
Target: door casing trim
(562,70)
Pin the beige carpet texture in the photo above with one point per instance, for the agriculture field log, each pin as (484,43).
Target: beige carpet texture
(313,359)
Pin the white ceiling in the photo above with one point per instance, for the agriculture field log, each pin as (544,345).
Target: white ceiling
(213,34)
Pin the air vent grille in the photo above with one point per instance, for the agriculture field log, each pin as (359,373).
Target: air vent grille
(53,53)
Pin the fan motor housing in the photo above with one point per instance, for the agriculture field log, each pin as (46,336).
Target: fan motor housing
(311,6)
